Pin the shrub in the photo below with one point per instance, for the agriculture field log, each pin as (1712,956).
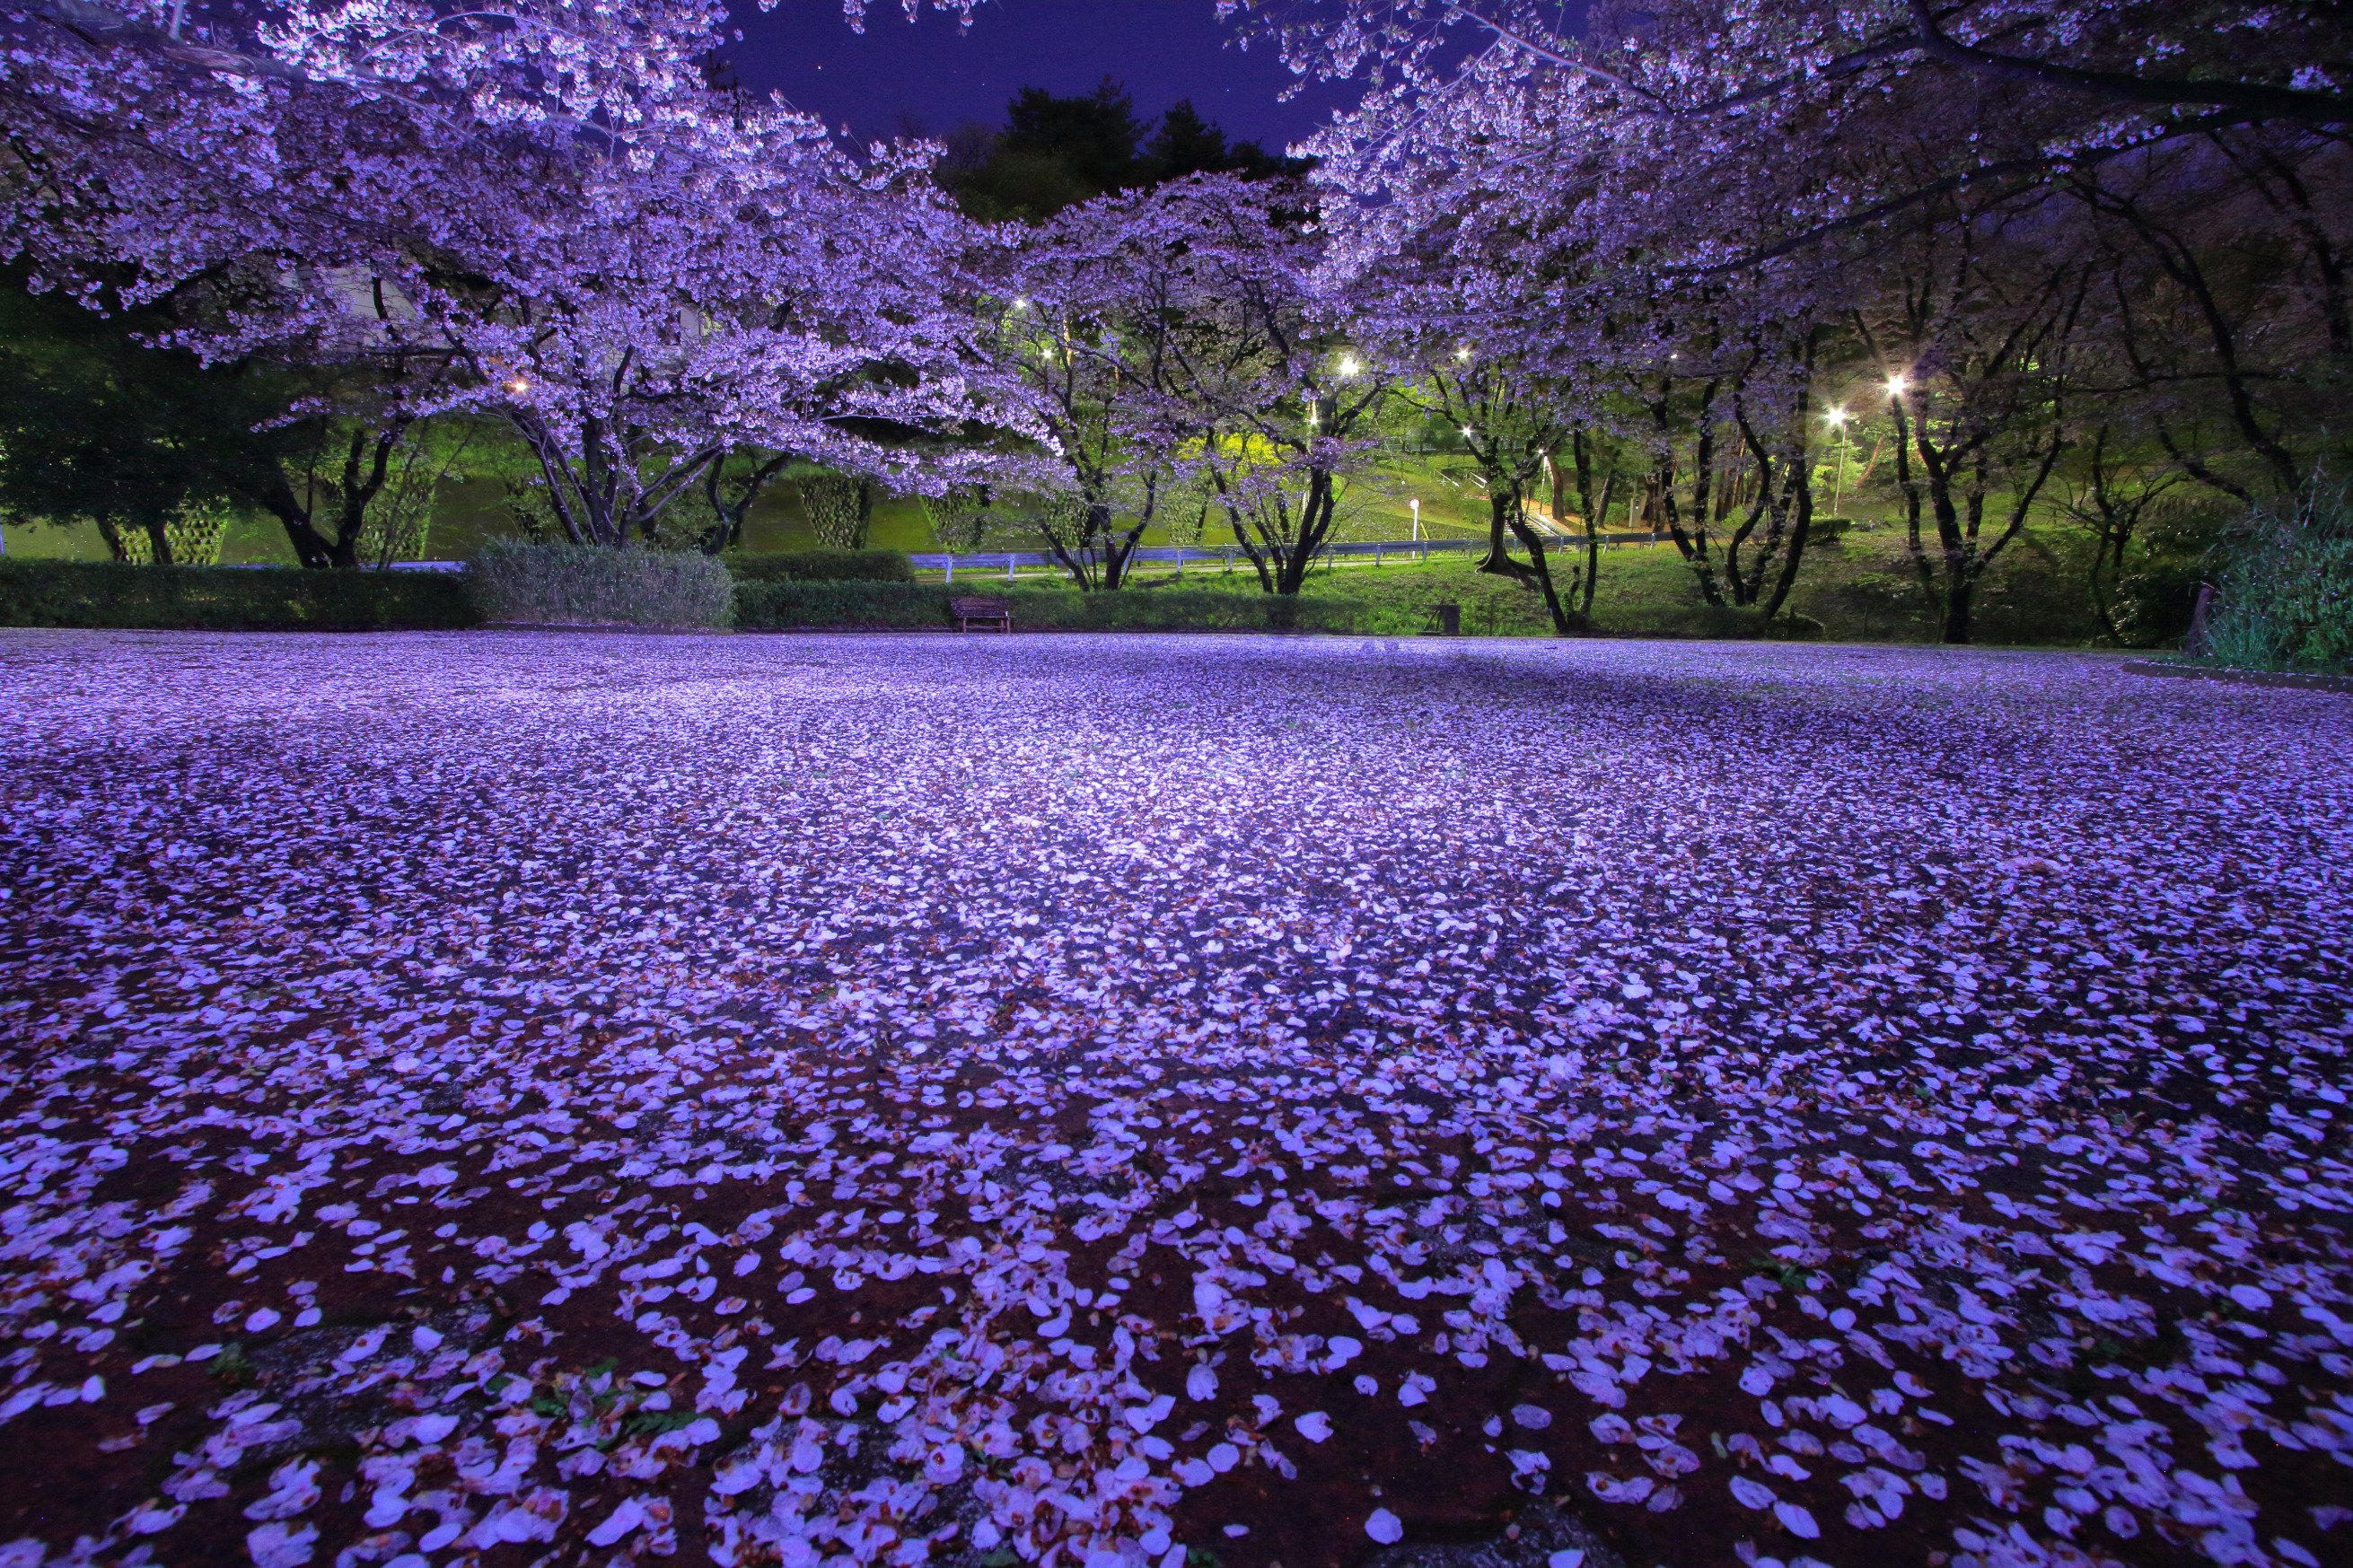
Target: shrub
(782,605)
(575,584)
(778,607)
(823,566)
(1175,610)
(2286,594)
(229,598)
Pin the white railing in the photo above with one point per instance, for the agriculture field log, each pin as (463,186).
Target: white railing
(1227,556)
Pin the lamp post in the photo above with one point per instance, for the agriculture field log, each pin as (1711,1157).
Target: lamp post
(1417,522)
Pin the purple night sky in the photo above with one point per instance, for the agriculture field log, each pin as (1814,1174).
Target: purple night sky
(1161,49)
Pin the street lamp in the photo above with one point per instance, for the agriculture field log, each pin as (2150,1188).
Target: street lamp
(1348,366)
(1896,384)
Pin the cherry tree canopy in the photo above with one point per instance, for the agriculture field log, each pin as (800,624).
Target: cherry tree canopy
(1171,339)
(1722,96)
(1674,140)
(541,211)
(1692,193)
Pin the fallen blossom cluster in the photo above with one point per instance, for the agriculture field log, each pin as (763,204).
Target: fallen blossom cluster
(514,1097)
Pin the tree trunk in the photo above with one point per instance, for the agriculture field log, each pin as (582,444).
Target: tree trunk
(1504,513)
(1693,543)
(1960,591)
(1119,548)
(1593,558)
(1801,523)
(311,547)
(359,492)
(115,545)
(1597,518)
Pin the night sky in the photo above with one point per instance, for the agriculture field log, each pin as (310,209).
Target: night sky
(1161,49)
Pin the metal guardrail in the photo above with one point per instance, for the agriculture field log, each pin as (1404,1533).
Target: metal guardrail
(1229,555)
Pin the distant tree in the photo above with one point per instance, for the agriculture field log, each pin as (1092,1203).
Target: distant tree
(1267,370)
(1096,135)
(1187,143)
(1512,423)
(1093,303)
(1055,153)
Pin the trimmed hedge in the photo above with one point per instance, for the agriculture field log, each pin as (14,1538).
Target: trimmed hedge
(575,584)
(229,598)
(777,606)
(823,566)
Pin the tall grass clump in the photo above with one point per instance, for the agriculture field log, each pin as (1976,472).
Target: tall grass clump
(2285,598)
(575,584)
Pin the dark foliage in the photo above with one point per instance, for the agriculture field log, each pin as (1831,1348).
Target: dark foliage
(98,428)
(823,566)
(1055,153)
(780,606)
(229,598)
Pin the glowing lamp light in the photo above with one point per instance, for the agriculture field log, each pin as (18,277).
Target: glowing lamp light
(1463,353)
(1349,364)
(1836,417)
(1896,384)
(1468,432)
(518,385)
(1020,304)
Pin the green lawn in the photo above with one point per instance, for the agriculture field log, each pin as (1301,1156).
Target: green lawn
(1860,589)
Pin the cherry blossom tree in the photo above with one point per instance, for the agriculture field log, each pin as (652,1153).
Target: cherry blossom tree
(540,212)
(1552,352)
(1269,375)
(1512,423)
(1798,158)
(1720,92)
(647,342)
(1163,341)
(1086,312)
(1976,345)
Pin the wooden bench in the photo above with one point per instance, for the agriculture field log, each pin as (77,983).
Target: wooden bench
(968,611)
